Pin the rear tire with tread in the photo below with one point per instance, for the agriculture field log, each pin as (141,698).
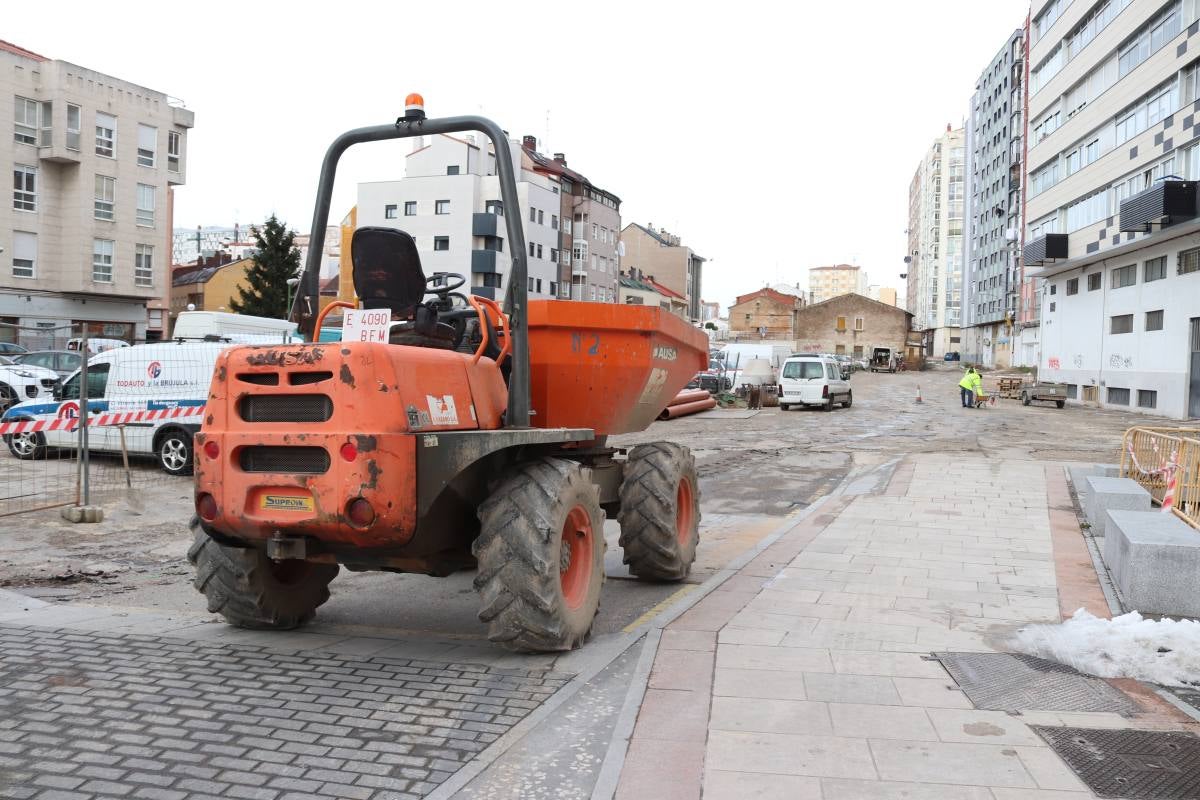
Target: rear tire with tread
(784,406)
(849,400)
(250,590)
(658,536)
(521,558)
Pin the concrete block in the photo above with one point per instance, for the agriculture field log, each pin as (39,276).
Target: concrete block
(1113,494)
(1079,476)
(1154,559)
(83,513)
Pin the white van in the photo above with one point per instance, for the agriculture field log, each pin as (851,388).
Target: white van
(736,355)
(239,328)
(813,381)
(142,378)
(95,346)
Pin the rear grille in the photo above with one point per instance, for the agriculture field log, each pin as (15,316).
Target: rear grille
(294,460)
(286,408)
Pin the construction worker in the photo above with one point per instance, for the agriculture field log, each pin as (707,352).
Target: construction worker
(967,386)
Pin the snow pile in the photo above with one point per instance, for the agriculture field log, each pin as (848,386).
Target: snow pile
(1164,651)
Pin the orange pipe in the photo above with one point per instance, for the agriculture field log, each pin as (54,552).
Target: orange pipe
(326,310)
(689,396)
(671,412)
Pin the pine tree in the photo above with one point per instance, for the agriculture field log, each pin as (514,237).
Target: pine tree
(276,259)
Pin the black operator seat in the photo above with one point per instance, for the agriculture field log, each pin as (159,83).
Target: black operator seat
(387,274)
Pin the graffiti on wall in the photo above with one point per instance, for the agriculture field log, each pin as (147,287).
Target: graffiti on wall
(1117,361)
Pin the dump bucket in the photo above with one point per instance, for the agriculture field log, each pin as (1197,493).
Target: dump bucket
(611,368)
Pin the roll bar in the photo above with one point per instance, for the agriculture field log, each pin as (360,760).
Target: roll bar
(516,297)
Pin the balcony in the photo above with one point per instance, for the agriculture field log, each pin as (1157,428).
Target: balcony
(485,224)
(1050,247)
(1164,203)
(483,261)
(59,146)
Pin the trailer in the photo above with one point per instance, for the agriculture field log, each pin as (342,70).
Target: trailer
(1044,392)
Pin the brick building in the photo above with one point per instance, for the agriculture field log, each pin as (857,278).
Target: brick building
(765,313)
(852,325)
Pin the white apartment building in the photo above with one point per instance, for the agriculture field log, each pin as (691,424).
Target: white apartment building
(936,251)
(1111,225)
(86,232)
(449,201)
(992,280)
(826,283)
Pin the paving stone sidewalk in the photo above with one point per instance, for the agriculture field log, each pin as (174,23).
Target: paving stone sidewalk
(90,714)
(805,675)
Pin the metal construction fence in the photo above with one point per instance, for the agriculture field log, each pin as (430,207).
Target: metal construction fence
(1166,461)
(81,430)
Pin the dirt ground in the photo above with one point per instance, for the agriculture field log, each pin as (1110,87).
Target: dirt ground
(754,468)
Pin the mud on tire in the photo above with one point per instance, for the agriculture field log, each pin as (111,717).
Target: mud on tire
(250,590)
(541,557)
(660,511)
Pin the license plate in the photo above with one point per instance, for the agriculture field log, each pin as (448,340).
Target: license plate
(286,502)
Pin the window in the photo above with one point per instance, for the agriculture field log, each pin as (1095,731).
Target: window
(840,349)
(1189,261)
(566,225)
(841,323)
(1053,287)
(553,256)
(554,288)
(1156,269)
(24,258)
(493,243)
(1154,320)
(595,231)
(492,279)
(1124,276)
(441,243)
(592,293)
(1094,281)
(1072,391)
(440,207)
(1043,72)
(531,284)
(539,251)
(452,169)
(1073,286)
(97,383)
(389,212)
(31,120)
(106,197)
(74,126)
(106,135)
(532,214)
(102,260)
(24,188)
(147,145)
(1118,397)
(1087,211)
(539,285)
(554,222)
(1147,398)
(1153,35)
(493,207)
(1053,306)
(540,219)
(858,323)
(1122,323)
(174,150)
(143,265)
(410,209)
(145,205)
(532,249)
(803,370)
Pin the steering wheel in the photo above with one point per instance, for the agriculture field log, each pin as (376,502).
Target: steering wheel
(449,286)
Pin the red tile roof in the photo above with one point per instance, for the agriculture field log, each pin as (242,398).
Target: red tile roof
(658,287)
(768,292)
(9,47)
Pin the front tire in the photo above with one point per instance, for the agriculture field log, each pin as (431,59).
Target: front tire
(1025,399)
(541,557)
(1060,403)
(660,512)
(26,446)
(250,590)
(784,406)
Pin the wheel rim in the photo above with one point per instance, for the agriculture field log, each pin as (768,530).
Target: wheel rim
(575,557)
(24,443)
(683,513)
(174,454)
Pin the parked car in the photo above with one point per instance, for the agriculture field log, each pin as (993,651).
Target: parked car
(813,381)
(883,360)
(64,362)
(10,349)
(846,365)
(147,377)
(19,382)
(952,356)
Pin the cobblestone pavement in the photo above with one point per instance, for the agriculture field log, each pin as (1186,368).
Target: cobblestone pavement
(86,715)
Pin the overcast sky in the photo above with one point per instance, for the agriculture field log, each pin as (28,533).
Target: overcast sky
(772,137)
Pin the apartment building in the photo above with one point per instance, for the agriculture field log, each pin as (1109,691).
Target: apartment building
(1111,225)
(663,255)
(86,235)
(936,251)
(589,221)
(992,280)
(826,283)
(449,201)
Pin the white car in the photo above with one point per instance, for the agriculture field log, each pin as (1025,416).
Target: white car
(21,382)
(813,381)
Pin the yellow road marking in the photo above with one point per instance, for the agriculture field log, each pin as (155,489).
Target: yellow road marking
(657,609)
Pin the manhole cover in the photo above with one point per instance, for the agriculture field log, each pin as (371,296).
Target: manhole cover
(1138,765)
(1015,682)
